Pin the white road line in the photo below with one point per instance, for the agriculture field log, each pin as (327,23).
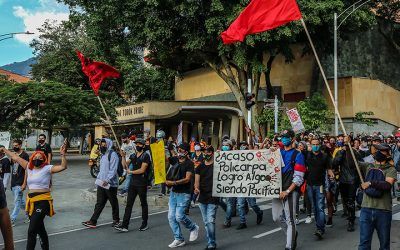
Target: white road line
(85,228)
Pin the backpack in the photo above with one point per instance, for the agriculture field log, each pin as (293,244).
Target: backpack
(374,174)
(120,168)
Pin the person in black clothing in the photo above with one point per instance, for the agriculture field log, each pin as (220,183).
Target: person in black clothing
(18,180)
(318,163)
(5,222)
(138,166)
(44,147)
(208,203)
(179,178)
(5,168)
(348,181)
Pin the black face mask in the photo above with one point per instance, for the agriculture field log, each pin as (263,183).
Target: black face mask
(139,148)
(380,157)
(37,162)
(16,149)
(41,141)
(103,150)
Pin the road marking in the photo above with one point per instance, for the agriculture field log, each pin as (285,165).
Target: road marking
(85,228)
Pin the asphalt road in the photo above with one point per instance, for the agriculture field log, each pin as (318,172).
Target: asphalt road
(66,232)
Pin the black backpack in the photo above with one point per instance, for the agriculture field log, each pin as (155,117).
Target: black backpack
(120,169)
(374,174)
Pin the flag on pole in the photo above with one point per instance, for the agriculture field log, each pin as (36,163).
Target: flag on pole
(260,16)
(96,71)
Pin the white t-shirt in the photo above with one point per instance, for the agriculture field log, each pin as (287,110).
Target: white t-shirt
(39,178)
(129,149)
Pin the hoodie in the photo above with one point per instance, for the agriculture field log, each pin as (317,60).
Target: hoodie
(108,169)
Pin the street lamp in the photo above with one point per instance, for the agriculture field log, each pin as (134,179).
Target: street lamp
(11,35)
(350,10)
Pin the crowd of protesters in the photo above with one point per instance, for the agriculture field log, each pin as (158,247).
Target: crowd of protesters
(361,169)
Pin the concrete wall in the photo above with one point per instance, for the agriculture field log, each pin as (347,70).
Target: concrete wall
(293,77)
(363,95)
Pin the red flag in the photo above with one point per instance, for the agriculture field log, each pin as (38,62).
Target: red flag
(96,71)
(259,16)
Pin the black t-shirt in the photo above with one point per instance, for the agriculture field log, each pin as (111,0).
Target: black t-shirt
(44,148)
(3,200)
(184,167)
(5,165)
(18,172)
(206,183)
(139,180)
(317,166)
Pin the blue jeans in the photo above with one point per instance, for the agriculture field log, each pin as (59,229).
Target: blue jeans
(317,197)
(19,201)
(252,203)
(230,206)
(176,214)
(208,212)
(127,183)
(371,219)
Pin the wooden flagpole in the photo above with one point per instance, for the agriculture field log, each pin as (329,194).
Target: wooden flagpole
(332,99)
(109,122)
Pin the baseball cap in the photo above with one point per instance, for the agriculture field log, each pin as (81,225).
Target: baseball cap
(227,142)
(184,146)
(140,141)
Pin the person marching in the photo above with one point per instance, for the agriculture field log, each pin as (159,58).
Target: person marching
(284,207)
(39,202)
(138,168)
(208,203)
(179,178)
(107,184)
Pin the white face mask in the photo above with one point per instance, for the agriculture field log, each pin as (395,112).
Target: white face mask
(364,144)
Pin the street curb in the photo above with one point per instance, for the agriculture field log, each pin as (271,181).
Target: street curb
(89,195)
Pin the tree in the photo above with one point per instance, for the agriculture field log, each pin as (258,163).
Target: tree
(47,105)
(185,33)
(314,113)
(388,17)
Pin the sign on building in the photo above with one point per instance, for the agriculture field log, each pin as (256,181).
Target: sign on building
(5,138)
(295,120)
(247,173)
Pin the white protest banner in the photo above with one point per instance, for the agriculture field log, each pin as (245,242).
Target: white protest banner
(5,138)
(180,131)
(295,120)
(247,173)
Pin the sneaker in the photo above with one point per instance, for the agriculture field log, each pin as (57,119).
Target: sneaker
(319,234)
(122,193)
(89,224)
(329,223)
(241,226)
(143,227)
(13,223)
(350,227)
(297,221)
(161,195)
(115,223)
(308,220)
(121,228)
(227,224)
(260,218)
(193,204)
(27,220)
(194,234)
(177,243)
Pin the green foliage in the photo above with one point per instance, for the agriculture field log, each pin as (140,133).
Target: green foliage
(47,105)
(361,118)
(314,113)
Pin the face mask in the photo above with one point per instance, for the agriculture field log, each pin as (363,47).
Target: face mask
(315,148)
(41,141)
(37,162)
(340,144)
(243,148)
(364,144)
(207,157)
(139,148)
(225,148)
(181,155)
(286,141)
(103,150)
(379,156)
(16,149)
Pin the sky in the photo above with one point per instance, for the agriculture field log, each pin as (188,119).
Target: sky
(22,16)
